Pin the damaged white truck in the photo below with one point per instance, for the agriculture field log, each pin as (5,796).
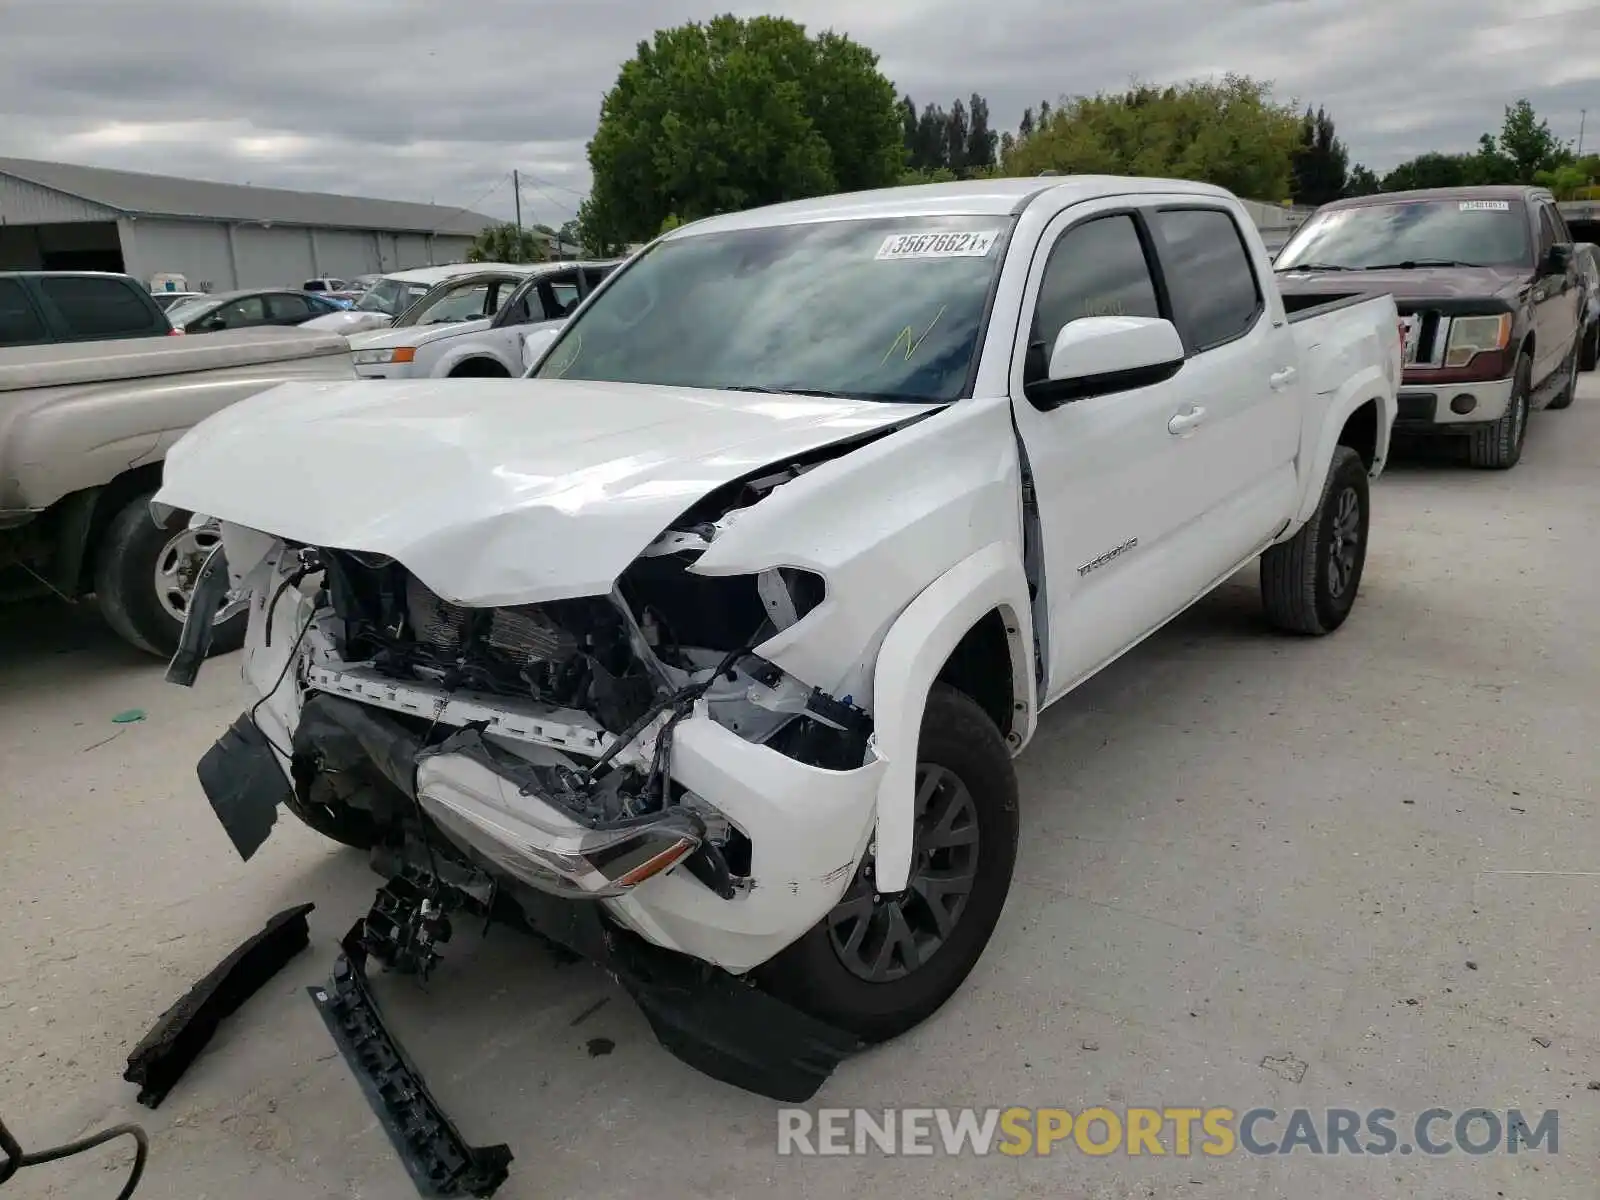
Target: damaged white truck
(707,647)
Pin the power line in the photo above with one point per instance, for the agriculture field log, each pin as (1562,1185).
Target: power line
(557,186)
(471,204)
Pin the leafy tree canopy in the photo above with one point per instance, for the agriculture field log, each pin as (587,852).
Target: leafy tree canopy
(1231,133)
(503,243)
(734,113)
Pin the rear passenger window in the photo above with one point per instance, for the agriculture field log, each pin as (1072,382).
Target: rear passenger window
(1097,269)
(1213,285)
(99,308)
(19,324)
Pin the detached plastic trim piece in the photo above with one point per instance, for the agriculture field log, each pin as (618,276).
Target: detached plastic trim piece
(182,1032)
(435,1154)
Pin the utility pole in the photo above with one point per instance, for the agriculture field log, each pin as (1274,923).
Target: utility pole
(1583,115)
(516,192)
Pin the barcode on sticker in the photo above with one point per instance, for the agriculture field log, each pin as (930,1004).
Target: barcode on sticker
(971,244)
(1486,206)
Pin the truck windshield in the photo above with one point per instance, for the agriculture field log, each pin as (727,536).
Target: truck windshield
(888,309)
(391,297)
(1455,232)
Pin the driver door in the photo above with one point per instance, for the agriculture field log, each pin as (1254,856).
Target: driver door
(1116,480)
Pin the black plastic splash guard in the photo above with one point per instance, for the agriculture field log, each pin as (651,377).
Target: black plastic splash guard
(437,1157)
(181,1033)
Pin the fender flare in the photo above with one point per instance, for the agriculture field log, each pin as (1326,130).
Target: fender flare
(910,659)
(1368,385)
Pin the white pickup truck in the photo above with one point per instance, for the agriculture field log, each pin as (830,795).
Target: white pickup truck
(711,643)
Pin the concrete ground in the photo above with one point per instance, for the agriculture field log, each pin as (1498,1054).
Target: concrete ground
(1375,855)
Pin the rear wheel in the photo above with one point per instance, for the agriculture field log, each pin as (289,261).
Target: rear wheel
(144,576)
(1309,583)
(878,965)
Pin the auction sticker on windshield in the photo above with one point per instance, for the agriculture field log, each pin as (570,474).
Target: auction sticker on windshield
(970,244)
(1486,206)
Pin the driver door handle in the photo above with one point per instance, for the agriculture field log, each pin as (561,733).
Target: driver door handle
(1186,422)
(1281,379)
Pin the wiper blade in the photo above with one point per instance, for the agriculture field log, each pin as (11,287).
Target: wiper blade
(1412,264)
(1312,266)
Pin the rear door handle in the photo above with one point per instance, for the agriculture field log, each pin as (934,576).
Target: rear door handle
(1186,422)
(1281,379)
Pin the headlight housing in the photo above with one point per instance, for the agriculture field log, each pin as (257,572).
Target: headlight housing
(373,358)
(1471,336)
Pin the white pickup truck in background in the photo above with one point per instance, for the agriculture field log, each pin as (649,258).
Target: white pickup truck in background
(712,642)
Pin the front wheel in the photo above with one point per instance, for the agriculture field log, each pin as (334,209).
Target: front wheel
(1309,583)
(878,965)
(1497,446)
(144,576)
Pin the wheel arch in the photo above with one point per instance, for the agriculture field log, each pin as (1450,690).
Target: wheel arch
(949,633)
(79,547)
(476,365)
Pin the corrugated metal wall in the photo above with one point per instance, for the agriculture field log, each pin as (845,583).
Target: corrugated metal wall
(24,203)
(197,250)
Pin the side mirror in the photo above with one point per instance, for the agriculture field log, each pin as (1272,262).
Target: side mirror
(1557,260)
(535,344)
(1096,355)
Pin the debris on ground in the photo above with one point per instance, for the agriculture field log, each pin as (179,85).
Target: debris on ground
(183,1031)
(1542,1041)
(1286,1066)
(437,1157)
(128,716)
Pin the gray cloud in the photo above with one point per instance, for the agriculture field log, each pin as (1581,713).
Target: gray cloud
(425,101)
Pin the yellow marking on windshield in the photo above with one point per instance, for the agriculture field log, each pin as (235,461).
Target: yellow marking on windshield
(911,340)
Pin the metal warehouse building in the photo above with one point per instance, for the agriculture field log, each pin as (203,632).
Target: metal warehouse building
(55,216)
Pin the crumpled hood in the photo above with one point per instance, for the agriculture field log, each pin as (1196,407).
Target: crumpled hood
(493,491)
(416,335)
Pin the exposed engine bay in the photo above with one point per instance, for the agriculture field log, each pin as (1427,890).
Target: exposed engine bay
(632,665)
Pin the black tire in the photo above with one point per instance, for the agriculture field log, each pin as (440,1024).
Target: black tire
(125,585)
(479,368)
(1309,583)
(959,741)
(1589,352)
(1568,369)
(1498,445)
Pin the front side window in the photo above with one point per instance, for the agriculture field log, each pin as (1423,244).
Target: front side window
(251,310)
(1412,233)
(286,306)
(97,308)
(884,309)
(1097,269)
(1215,297)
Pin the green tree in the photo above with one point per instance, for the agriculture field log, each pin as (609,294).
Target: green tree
(981,140)
(505,243)
(1526,141)
(1230,133)
(734,113)
(1320,163)
(1361,182)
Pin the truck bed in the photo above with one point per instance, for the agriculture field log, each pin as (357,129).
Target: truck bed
(27,367)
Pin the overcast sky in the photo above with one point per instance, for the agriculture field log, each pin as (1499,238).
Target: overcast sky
(439,101)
